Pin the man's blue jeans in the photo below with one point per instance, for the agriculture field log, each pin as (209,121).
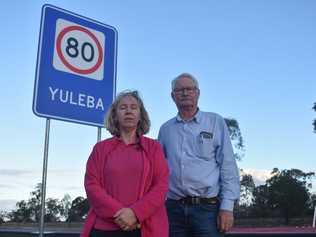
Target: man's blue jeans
(192,220)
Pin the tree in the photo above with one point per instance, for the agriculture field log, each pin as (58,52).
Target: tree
(79,209)
(22,213)
(314,123)
(261,207)
(54,210)
(289,187)
(29,211)
(236,137)
(34,202)
(66,205)
(311,203)
(247,186)
(3,216)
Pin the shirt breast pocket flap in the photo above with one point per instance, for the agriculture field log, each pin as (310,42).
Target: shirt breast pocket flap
(205,146)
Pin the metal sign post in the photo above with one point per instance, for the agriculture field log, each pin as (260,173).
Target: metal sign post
(44,176)
(99,134)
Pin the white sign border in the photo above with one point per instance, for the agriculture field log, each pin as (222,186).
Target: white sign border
(39,51)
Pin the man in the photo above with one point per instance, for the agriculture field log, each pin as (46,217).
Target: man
(204,178)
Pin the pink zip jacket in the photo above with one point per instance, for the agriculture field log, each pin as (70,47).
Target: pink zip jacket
(149,209)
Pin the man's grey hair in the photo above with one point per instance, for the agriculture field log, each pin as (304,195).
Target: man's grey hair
(182,75)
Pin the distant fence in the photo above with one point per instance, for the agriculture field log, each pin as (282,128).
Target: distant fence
(245,228)
(272,222)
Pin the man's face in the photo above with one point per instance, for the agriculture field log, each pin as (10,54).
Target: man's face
(185,94)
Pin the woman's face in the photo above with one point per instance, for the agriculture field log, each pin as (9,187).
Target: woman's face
(128,113)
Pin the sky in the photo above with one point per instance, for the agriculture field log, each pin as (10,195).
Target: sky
(254,60)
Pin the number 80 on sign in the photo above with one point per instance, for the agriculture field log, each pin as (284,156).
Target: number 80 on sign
(79,50)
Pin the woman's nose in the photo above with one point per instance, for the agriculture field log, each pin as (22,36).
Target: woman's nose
(128,110)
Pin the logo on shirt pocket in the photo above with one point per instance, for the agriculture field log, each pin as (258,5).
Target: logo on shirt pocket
(205,146)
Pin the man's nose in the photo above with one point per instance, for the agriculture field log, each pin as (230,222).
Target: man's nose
(184,91)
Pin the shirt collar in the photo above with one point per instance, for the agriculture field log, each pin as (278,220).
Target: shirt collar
(196,118)
(140,142)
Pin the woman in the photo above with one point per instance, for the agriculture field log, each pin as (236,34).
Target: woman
(126,177)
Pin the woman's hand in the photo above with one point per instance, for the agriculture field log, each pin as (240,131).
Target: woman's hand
(125,218)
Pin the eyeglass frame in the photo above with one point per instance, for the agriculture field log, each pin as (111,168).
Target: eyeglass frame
(189,90)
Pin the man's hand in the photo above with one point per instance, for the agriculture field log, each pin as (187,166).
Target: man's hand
(225,220)
(125,218)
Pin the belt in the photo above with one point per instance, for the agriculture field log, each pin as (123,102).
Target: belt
(198,200)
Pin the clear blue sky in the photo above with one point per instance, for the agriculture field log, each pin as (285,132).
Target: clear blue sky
(255,62)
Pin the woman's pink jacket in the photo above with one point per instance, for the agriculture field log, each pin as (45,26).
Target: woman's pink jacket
(149,209)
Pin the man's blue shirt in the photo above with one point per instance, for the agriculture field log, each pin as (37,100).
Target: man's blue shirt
(200,157)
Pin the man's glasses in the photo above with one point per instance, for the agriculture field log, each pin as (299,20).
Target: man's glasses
(189,90)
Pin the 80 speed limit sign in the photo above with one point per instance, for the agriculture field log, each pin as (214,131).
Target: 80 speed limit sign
(75,77)
(78,50)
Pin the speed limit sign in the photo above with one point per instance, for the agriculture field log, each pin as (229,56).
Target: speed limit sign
(78,50)
(76,67)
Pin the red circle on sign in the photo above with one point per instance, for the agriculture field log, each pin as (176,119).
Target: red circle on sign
(63,59)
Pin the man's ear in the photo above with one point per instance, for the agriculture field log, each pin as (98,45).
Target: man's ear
(172,96)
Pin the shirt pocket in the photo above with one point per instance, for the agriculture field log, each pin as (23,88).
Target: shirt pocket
(205,148)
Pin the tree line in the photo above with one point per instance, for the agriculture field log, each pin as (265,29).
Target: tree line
(287,194)
(76,210)
(57,210)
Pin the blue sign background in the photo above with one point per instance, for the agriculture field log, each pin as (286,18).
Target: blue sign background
(47,76)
